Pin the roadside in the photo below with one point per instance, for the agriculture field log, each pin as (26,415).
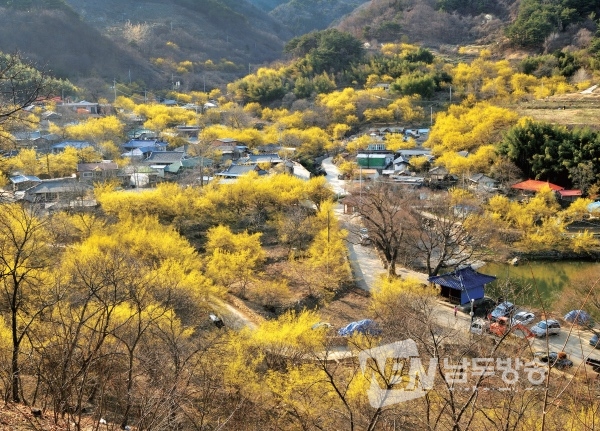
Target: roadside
(367,267)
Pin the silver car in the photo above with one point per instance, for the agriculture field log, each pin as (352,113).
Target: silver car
(523,318)
(550,327)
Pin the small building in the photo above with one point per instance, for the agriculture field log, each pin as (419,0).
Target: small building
(438,174)
(83,107)
(298,170)
(253,159)
(26,138)
(569,195)
(187,164)
(229,148)
(152,144)
(142,134)
(268,148)
(415,152)
(482,183)
(462,285)
(23,182)
(137,176)
(236,171)
(401,166)
(187,131)
(65,190)
(97,172)
(367,174)
(163,158)
(374,161)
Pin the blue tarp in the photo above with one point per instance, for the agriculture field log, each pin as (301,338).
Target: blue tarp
(578,317)
(593,207)
(365,326)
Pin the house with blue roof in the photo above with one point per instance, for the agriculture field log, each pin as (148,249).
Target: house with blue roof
(462,285)
(141,149)
(23,182)
(155,144)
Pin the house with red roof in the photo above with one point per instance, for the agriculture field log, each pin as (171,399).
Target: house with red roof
(569,195)
(535,186)
(530,187)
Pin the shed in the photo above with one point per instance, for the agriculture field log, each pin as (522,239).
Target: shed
(462,285)
(377,161)
(569,195)
(23,182)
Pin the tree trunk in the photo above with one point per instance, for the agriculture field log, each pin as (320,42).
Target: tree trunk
(15,375)
(14,363)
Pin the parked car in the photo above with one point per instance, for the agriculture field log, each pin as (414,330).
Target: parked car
(481,307)
(364,237)
(557,360)
(551,327)
(523,318)
(480,326)
(595,341)
(504,309)
(594,363)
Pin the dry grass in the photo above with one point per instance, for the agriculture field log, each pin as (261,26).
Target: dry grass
(17,417)
(573,110)
(349,306)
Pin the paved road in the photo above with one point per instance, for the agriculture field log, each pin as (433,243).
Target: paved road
(338,186)
(367,267)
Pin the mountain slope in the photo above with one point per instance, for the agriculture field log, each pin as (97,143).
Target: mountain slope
(304,16)
(188,30)
(58,40)
(267,5)
(199,43)
(424,21)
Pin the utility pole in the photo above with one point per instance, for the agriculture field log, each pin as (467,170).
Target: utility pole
(360,183)
(115,88)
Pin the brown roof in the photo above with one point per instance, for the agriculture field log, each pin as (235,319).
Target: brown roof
(566,193)
(535,185)
(103,166)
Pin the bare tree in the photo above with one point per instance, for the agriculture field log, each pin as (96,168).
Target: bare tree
(441,235)
(385,212)
(25,255)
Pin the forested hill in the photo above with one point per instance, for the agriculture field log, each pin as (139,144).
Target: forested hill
(304,16)
(203,44)
(151,42)
(533,25)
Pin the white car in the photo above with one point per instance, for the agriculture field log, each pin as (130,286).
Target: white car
(550,327)
(479,326)
(523,318)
